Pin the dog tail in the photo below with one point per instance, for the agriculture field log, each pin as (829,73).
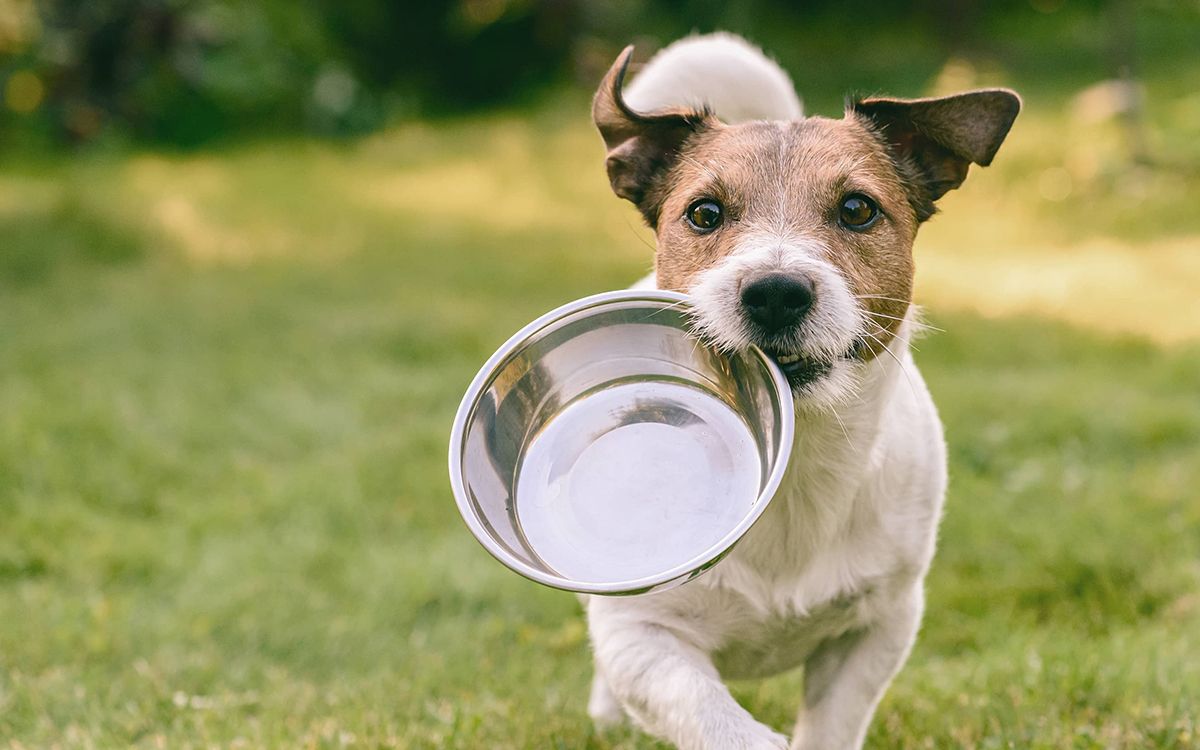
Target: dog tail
(721,71)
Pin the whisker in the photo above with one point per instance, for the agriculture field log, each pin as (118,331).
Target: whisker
(703,335)
(633,230)
(884,330)
(899,364)
(916,323)
(672,306)
(883,297)
(845,432)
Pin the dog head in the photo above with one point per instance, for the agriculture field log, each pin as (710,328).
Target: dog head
(797,235)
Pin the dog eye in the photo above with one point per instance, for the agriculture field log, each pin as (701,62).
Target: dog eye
(858,212)
(704,215)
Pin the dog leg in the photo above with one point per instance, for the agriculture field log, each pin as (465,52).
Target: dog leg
(845,678)
(602,704)
(672,690)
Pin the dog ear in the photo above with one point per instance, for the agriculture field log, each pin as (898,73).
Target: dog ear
(641,146)
(934,141)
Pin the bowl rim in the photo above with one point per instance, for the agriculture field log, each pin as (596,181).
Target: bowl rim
(678,573)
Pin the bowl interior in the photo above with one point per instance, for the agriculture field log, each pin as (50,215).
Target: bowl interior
(606,449)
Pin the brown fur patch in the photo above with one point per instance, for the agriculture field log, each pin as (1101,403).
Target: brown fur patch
(789,179)
(934,141)
(641,147)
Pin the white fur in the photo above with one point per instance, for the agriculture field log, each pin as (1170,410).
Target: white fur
(721,71)
(831,576)
(829,328)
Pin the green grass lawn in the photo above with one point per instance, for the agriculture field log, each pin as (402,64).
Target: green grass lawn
(226,384)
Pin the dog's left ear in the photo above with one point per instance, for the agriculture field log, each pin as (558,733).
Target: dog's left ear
(641,146)
(936,140)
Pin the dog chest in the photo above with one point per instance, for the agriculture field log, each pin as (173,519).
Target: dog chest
(782,642)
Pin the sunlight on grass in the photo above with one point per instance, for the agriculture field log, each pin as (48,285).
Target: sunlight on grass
(1063,229)
(491,190)
(1149,289)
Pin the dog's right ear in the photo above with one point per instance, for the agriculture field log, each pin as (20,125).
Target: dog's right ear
(936,140)
(641,146)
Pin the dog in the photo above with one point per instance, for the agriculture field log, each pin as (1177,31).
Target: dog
(794,234)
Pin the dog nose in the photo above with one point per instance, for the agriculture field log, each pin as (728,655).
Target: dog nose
(777,300)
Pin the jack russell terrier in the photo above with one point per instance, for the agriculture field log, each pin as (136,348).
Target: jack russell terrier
(795,234)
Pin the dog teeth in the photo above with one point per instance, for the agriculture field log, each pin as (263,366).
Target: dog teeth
(787,359)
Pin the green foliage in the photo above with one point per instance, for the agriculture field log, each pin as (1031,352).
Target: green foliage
(188,72)
(185,72)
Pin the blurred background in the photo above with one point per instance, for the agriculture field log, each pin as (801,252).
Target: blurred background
(251,254)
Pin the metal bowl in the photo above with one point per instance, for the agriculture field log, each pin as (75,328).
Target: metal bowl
(605,450)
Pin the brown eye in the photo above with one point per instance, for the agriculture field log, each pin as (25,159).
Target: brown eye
(858,212)
(704,215)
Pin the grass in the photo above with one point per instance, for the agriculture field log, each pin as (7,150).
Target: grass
(226,382)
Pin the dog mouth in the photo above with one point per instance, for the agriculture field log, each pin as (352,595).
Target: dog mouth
(801,369)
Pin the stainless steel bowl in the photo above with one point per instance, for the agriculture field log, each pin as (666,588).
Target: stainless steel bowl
(604,449)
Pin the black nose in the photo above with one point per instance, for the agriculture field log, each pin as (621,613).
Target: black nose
(777,300)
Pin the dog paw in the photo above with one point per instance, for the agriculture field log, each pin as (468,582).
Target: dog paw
(769,740)
(753,737)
